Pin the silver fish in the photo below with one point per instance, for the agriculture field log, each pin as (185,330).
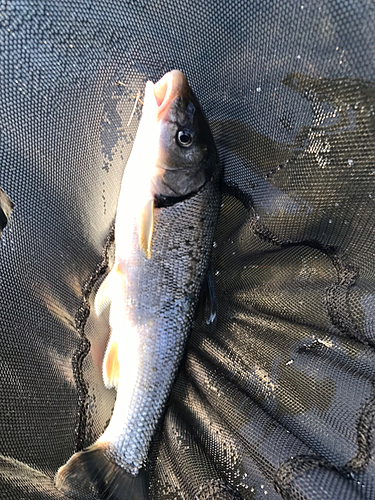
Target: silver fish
(166,216)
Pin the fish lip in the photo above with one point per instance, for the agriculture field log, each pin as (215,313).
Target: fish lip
(172,85)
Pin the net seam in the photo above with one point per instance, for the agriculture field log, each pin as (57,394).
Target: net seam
(294,467)
(84,346)
(339,292)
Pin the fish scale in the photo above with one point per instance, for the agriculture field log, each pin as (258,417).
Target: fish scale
(165,283)
(166,215)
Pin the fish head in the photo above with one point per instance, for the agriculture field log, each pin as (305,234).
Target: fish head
(186,155)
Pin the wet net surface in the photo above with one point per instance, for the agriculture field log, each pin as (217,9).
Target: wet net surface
(276,400)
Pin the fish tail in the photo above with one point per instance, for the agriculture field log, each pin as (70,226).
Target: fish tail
(91,475)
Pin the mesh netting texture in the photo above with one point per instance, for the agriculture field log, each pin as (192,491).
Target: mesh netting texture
(275,400)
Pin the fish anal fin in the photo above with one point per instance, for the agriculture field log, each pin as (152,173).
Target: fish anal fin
(146,227)
(111,365)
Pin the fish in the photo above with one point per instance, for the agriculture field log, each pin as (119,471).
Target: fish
(6,207)
(165,221)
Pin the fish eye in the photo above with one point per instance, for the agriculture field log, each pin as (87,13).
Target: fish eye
(184,138)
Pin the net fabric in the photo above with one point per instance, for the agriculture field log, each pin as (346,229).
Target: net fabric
(276,400)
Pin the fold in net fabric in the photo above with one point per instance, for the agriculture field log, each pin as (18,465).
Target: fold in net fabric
(276,399)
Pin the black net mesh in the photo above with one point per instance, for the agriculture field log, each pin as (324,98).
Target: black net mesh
(276,399)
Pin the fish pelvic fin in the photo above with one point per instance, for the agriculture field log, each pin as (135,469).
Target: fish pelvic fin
(90,475)
(146,227)
(111,365)
(110,287)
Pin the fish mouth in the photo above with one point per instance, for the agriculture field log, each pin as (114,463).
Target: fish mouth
(172,85)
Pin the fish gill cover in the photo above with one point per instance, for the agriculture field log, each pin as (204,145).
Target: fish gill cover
(276,398)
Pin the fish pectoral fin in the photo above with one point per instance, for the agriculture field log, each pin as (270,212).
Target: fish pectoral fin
(110,287)
(146,227)
(111,365)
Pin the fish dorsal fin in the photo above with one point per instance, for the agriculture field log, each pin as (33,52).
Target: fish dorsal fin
(111,365)
(211,304)
(146,227)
